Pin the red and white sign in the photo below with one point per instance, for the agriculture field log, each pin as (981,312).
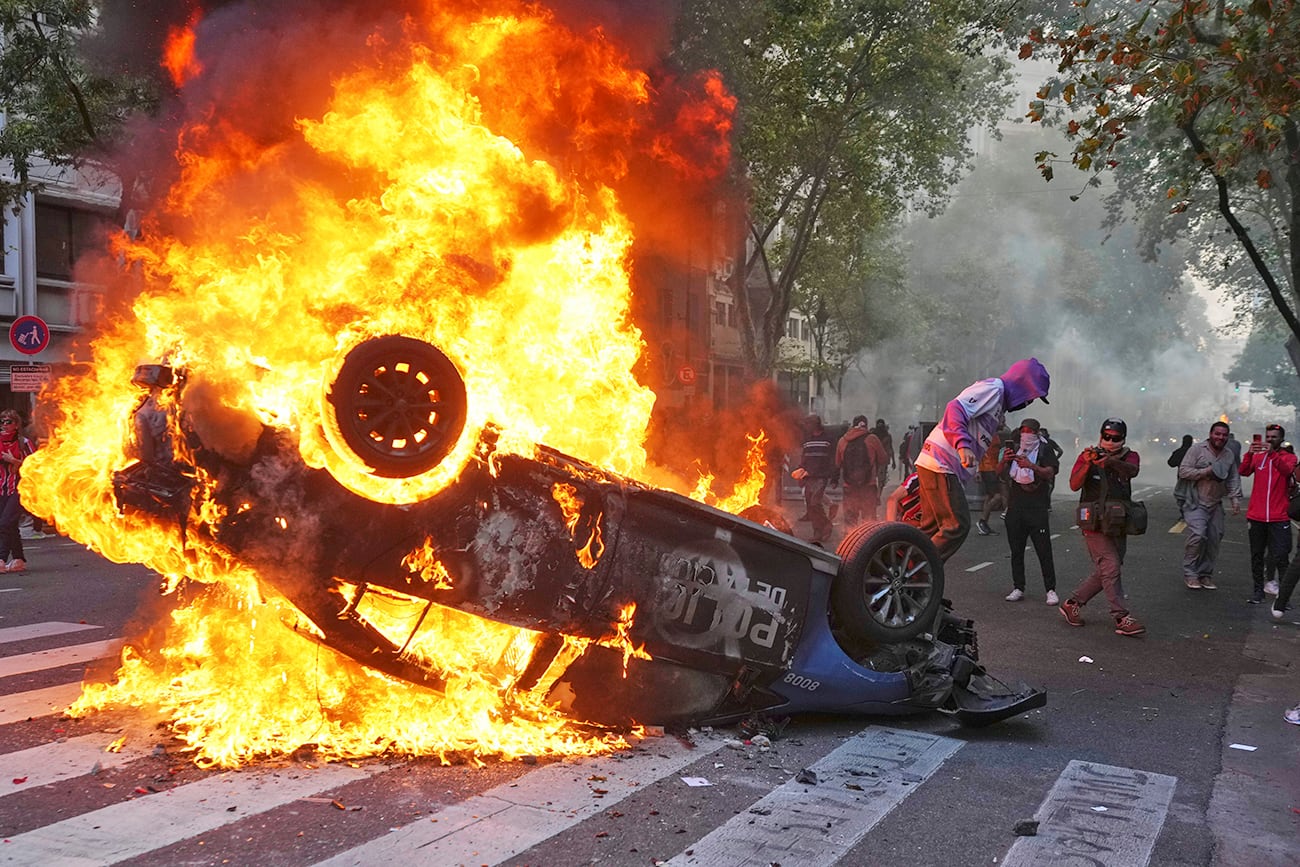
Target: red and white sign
(28,377)
(29,334)
(686,375)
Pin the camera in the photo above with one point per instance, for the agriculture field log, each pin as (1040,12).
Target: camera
(1095,453)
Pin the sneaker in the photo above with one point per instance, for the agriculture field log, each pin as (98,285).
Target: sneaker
(1127,625)
(1070,611)
(1277,613)
(1270,587)
(16,566)
(1293,716)
(1016,595)
(1193,584)
(1256,598)
(1052,598)
(982,527)
(1208,584)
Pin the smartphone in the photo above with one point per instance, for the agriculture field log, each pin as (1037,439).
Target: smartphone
(1258,438)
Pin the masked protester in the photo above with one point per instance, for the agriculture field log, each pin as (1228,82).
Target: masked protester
(952,451)
(1211,471)
(1030,467)
(1102,473)
(14,449)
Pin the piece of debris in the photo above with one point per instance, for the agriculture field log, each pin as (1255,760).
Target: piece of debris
(1026,828)
(761,741)
(806,776)
(733,744)
(1099,809)
(1244,747)
(654,731)
(18,781)
(696,781)
(854,786)
(1087,659)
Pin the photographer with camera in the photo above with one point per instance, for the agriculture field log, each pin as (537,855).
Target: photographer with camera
(1103,473)
(1210,467)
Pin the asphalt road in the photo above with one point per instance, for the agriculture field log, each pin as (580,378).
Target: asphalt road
(1137,754)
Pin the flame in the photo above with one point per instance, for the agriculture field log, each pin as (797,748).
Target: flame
(621,639)
(460,187)
(747,489)
(571,508)
(424,563)
(178,52)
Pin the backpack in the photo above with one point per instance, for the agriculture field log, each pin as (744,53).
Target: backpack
(856,466)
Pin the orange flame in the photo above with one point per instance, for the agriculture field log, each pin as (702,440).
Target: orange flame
(178,52)
(459,187)
(621,639)
(571,508)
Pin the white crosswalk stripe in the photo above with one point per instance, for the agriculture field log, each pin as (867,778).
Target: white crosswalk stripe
(804,824)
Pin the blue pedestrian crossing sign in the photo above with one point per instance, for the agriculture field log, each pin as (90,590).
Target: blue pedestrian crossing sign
(29,334)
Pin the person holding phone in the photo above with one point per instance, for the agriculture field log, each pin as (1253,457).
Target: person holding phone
(1210,467)
(1266,512)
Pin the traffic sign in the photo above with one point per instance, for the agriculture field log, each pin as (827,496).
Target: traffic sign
(686,375)
(29,334)
(28,377)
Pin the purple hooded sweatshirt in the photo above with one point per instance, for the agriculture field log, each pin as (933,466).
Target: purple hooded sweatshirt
(973,418)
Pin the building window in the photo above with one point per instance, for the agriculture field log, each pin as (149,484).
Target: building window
(63,234)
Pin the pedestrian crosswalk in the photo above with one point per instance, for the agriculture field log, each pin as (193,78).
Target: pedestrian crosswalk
(821,812)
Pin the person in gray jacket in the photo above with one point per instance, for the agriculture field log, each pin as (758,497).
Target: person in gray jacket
(1208,473)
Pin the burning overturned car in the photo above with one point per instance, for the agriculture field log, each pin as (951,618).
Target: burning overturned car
(652,607)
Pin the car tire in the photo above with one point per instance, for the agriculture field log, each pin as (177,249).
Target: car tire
(890,584)
(398,405)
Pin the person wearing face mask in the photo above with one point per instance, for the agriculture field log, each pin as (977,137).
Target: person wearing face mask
(1030,467)
(14,449)
(1104,472)
(1211,468)
(951,453)
(1266,513)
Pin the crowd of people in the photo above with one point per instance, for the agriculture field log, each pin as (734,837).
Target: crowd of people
(1017,471)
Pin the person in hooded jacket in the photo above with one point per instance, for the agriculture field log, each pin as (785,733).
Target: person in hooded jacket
(1266,513)
(859,455)
(951,453)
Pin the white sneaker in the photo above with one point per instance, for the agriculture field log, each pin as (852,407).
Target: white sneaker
(1015,595)
(1052,598)
(1277,615)
(1270,587)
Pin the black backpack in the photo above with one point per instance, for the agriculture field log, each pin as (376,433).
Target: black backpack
(856,467)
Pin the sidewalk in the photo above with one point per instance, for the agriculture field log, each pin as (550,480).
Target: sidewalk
(1257,793)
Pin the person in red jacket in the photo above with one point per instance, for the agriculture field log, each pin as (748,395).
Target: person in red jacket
(1270,528)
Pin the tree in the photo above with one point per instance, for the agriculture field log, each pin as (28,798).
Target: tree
(61,109)
(853,108)
(1206,90)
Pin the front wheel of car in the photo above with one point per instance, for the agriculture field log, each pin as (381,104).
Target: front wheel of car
(397,405)
(890,584)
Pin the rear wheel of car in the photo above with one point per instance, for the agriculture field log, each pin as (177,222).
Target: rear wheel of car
(398,405)
(890,584)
